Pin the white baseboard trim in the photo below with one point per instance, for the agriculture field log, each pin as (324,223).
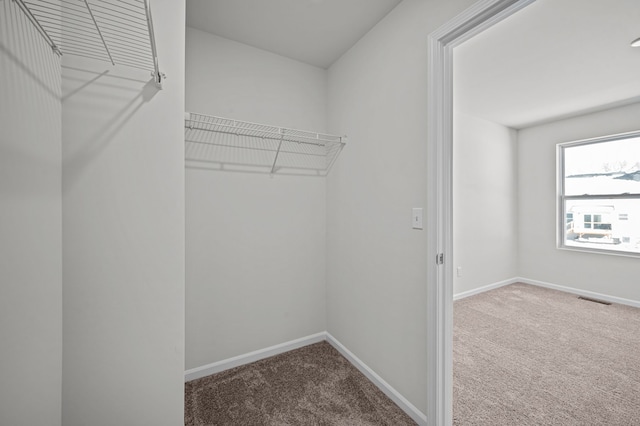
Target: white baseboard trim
(393,394)
(236,361)
(586,293)
(482,289)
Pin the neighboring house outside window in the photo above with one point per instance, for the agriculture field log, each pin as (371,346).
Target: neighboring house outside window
(599,194)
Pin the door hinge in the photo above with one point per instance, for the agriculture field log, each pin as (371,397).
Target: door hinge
(440,259)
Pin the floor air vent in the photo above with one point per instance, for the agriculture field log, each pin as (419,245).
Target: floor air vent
(602,302)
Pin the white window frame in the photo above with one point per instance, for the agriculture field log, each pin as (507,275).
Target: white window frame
(562,198)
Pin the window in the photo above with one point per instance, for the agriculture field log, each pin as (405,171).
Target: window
(599,194)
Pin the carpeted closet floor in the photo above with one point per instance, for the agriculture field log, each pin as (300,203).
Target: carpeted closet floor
(525,355)
(314,385)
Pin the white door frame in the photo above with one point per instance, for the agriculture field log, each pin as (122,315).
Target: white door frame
(472,21)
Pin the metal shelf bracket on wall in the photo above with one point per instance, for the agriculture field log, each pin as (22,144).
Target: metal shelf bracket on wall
(236,145)
(116,31)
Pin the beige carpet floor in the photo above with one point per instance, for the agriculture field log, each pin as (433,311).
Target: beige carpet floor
(314,385)
(525,355)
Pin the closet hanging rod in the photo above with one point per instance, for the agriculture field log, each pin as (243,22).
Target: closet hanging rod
(256,149)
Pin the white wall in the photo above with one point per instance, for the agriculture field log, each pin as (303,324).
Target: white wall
(255,244)
(485,203)
(377,264)
(539,259)
(30,225)
(123,237)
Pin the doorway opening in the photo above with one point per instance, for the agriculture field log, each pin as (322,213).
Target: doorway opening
(471,22)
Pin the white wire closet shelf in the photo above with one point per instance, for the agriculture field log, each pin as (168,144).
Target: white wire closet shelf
(115,31)
(234,145)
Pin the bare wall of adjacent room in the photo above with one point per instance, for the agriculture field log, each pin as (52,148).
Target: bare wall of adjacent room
(538,257)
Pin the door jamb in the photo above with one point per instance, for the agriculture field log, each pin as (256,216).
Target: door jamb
(471,22)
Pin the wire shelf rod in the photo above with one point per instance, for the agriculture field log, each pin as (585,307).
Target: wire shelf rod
(315,170)
(79,32)
(67,13)
(99,33)
(53,3)
(97,10)
(275,159)
(114,34)
(106,20)
(85,54)
(127,34)
(73,5)
(39,27)
(118,31)
(74,15)
(43,4)
(237,126)
(120,51)
(53,32)
(144,67)
(101,9)
(120,40)
(84,21)
(89,55)
(128,61)
(158,76)
(69,49)
(272,136)
(85,47)
(124,6)
(44,8)
(70,37)
(283,151)
(334,156)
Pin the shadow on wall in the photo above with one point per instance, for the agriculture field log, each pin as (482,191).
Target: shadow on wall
(121,97)
(31,83)
(225,152)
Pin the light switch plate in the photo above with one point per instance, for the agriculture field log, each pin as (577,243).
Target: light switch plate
(417,218)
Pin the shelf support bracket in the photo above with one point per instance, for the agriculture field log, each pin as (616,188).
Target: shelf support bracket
(41,30)
(275,160)
(158,76)
(99,32)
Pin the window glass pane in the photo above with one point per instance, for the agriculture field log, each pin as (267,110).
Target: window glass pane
(605,224)
(603,168)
